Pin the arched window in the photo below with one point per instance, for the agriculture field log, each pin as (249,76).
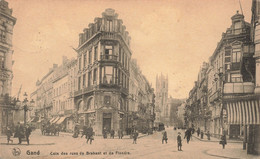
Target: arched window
(80,106)
(90,104)
(120,105)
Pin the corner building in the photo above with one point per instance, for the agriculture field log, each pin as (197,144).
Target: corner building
(7,22)
(103,77)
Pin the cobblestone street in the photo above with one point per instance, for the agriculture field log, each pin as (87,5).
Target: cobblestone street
(146,147)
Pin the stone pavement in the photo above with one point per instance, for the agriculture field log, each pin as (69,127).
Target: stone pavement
(233,149)
(213,139)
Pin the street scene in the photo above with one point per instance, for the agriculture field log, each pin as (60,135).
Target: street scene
(129,79)
(148,146)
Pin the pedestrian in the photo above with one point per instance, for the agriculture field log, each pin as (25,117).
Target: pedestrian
(179,141)
(9,133)
(223,141)
(19,132)
(198,132)
(28,131)
(76,131)
(164,137)
(135,135)
(84,132)
(120,134)
(208,135)
(90,135)
(187,135)
(201,134)
(105,133)
(112,133)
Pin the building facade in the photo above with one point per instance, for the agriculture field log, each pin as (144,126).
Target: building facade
(141,100)
(229,93)
(7,22)
(103,80)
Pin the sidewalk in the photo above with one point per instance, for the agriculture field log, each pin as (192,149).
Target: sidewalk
(213,139)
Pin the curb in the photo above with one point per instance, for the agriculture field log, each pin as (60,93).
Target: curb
(228,141)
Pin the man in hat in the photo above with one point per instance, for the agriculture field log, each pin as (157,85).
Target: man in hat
(19,132)
(179,141)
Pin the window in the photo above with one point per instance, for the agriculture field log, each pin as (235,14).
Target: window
(89,78)
(80,63)
(108,74)
(107,100)
(236,78)
(90,104)
(84,60)
(237,28)
(108,51)
(2,60)
(2,36)
(110,25)
(95,76)
(95,53)
(120,54)
(90,56)
(84,80)
(236,57)
(79,83)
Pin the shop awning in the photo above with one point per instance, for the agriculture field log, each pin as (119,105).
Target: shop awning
(61,120)
(55,120)
(244,111)
(52,119)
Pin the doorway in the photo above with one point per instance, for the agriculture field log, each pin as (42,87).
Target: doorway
(107,121)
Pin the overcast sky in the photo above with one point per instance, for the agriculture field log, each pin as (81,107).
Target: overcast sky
(172,37)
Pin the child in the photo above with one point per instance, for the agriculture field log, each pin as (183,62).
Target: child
(9,134)
(179,141)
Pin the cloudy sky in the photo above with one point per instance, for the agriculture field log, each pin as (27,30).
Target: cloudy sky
(172,37)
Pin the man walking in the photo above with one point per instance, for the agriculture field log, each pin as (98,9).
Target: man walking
(135,135)
(179,141)
(28,131)
(9,134)
(164,138)
(19,132)
(112,133)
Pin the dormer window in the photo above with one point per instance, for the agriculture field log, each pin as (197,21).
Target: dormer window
(237,27)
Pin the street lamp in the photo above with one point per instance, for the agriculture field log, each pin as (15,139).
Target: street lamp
(25,105)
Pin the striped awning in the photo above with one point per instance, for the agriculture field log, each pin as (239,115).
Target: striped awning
(243,111)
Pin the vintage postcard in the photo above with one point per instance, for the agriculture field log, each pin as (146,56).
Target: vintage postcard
(134,79)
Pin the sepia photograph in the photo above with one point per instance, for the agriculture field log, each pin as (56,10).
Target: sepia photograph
(129,79)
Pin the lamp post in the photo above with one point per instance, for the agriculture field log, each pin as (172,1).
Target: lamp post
(25,105)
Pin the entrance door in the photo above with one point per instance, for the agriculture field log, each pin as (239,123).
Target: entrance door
(107,121)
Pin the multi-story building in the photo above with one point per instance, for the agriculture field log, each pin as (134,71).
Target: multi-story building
(44,95)
(161,97)
(103,80)
(63,101)
(181,115)
(203,119)
(141,100)
(232,75)
(7,22)
(231,81)
(54,95)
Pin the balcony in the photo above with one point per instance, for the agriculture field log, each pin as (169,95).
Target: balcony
(108,57)
(245,87)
